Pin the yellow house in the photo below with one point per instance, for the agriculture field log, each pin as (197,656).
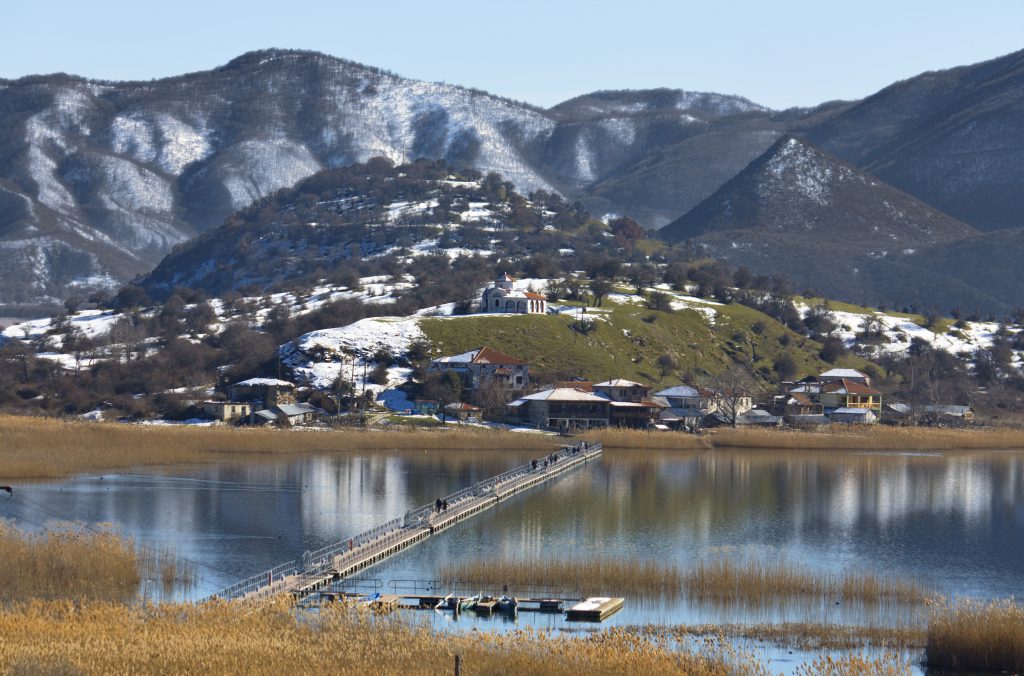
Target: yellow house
(848,394)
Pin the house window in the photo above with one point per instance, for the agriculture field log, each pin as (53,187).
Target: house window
(519,380)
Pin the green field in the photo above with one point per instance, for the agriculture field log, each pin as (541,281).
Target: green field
(630,338)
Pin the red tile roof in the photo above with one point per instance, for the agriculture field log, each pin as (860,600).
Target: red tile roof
(487,355)
(534,296)
(845,386)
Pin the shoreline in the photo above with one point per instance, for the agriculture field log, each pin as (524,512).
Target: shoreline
(38,448)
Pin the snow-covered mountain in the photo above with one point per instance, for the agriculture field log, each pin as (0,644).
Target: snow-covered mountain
(99,180)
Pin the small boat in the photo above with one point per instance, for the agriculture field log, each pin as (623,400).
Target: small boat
(507,604)
(468,602)
(368,599)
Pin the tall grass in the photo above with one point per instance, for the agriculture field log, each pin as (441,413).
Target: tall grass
(39,448)
(975,636)
(271,638)
(803,635)
(44,448)
(732,578)
(595,576)
(67,562)
(844,437)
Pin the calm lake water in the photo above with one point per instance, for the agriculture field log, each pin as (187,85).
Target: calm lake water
(953,520)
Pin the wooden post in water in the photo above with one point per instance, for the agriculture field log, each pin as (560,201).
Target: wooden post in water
(458,665)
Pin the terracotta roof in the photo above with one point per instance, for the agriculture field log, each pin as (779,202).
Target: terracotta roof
(844,386)
(534,296)
(801,399)
(502,372)
(488,355)
(461,406)
(581,385)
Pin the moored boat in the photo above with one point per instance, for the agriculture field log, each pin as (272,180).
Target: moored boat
(508,604)
(468,602)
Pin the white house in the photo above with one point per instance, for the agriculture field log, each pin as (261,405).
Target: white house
(504,296)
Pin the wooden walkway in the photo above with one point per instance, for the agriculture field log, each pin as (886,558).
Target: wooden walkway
(320,568)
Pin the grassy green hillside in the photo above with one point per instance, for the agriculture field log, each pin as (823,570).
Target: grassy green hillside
(630,338)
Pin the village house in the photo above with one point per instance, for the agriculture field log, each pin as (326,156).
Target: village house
(629,403)
(288,415)
(563,409)
(848,394)
(462,411)
(226,410)
(755,417)
(852,416)
(264,392)
(504,296)
(485,367)
(849,375)
(942,415)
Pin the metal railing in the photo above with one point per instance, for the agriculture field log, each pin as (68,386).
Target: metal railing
(320,561)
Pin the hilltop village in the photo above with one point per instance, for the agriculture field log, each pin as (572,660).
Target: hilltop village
(485,386)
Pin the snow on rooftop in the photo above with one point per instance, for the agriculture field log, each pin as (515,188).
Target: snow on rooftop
(563,394)
(264,382)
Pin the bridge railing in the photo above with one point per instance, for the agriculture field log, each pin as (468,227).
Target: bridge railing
(321,560)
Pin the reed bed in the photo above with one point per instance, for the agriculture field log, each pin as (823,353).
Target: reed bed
(726,579)
(591,577)
(46,448)
(66,563)
(757,580)
(801,635)
(41,448)
(884,438)
(976,637)
(271,638)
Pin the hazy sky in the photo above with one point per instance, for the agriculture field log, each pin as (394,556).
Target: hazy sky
(780,53)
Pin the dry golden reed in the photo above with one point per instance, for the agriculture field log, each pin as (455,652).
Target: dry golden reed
(272,638)
(66,563)
(48,448)
(801,635)
(44,448)
(976,637)
(605,576)
(844,437)
(755,580)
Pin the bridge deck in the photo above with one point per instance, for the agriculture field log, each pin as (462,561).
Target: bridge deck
(320,568)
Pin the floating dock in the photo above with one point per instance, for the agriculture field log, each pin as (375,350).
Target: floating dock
(595,609)
(317,570)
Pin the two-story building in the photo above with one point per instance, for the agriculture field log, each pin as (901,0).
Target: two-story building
(484,367)
(563,409)
(629,403)
(264,392)
(846,394)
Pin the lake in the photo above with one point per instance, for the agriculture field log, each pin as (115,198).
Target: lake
(954,520)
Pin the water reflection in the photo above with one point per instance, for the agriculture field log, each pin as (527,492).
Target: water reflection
(956,520)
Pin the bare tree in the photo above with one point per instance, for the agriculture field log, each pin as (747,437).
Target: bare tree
(731,392)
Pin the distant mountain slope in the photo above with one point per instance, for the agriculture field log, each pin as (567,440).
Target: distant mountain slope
(795,189)
(832,228)
(99,180)
(953,138)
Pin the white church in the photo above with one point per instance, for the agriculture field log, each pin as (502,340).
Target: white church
(503,296)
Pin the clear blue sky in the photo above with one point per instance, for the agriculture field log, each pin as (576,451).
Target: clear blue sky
(780,53)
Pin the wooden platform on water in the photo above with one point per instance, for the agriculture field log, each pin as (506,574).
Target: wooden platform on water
(595,609)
